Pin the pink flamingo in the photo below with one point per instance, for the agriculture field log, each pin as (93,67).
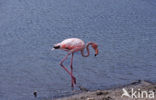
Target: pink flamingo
(72,45)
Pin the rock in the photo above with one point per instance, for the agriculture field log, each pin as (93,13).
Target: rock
(35,94)
(101,93)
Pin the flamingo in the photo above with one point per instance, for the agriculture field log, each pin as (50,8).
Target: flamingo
(72,45)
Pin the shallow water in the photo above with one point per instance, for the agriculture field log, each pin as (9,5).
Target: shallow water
(125,31)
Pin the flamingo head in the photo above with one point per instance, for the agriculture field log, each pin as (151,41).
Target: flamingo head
(95,47)
(56,46)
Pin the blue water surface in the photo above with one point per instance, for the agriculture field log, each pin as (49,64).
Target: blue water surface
(125,31)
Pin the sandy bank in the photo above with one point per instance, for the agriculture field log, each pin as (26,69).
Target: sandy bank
(115,94)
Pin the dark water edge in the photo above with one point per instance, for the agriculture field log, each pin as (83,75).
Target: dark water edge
(125,31)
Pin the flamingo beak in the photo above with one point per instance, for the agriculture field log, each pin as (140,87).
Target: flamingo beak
(95,47)
(96,52)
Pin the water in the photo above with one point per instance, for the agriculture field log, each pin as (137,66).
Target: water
(125,31)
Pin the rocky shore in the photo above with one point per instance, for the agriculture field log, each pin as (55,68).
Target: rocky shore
(139,90)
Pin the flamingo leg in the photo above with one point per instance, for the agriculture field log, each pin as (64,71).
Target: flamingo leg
(61,64)
(71,67)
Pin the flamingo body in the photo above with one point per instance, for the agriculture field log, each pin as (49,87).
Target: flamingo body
(72,43)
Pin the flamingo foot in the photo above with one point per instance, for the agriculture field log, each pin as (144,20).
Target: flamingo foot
(74,80)
(72,85)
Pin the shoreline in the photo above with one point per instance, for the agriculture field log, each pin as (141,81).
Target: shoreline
(136,88)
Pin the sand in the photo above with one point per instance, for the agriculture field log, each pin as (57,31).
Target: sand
(116,93)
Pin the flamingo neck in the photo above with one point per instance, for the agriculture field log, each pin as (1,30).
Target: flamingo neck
(87,47)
